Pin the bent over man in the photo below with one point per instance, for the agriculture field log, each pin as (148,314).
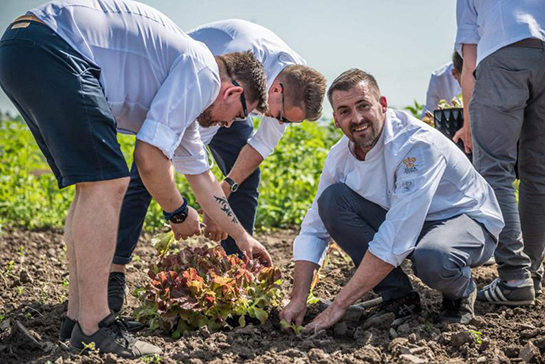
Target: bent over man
(295,93)
(77,70)
(394,188)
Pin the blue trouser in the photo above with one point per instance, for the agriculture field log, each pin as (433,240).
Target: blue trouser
(445,251)
(225,147)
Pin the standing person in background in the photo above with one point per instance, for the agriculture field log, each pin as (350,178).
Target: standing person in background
(295,93)
(502,43)
(77,70)
(444,84)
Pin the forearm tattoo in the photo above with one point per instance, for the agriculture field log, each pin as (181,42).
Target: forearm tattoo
(226,208)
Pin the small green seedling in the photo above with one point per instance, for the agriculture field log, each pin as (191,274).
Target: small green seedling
(21,251)
(477,336)
(28,315)
(296,329)
(91,348)
(155,359)
(19,290)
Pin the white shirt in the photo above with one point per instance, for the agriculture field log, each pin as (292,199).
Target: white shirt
(235,35)
(157,80)
(443,86)
(494,24)
(413,172)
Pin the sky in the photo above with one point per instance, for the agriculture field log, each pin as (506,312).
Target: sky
(400,42)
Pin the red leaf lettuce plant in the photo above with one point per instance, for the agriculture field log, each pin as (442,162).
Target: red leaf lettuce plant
(202,286)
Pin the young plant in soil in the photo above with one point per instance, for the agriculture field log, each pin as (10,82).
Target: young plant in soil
(203,286)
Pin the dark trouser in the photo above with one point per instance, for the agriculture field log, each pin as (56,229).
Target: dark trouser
(225,147)
(445,251)
(508,107)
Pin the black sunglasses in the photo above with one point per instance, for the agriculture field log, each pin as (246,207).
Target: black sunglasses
(242,99)
(281,117)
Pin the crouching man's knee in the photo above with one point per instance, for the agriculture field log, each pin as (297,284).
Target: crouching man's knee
(330,201)
(437,270)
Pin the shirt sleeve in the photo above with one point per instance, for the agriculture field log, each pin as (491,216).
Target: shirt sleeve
(190,157)
(468,29)
(417,179)
(312,242)
(432,97)
(186,92)
(267,136)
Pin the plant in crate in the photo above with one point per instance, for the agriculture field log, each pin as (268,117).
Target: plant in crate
(203,286)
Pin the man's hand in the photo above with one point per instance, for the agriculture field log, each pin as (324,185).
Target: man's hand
(294,312)
(464,134)
(254,250)
(212,231)
(329,317)
(191,225)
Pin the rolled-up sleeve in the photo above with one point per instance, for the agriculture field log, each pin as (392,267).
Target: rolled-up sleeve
(267,136)
(187,91)
(417,179)
(312,242)
(468,29)
(190,157)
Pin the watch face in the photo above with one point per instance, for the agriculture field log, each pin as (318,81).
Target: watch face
(178,218)
(234,187)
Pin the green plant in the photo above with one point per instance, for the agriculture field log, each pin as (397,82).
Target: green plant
(155,359)
(27,315)
(477,336)
(296,329)
(415,109)
(202,286)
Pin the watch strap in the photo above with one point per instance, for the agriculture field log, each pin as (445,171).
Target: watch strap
(233,184)
(170,215)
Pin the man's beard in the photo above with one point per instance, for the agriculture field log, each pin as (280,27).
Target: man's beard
(205,118)
(370,140)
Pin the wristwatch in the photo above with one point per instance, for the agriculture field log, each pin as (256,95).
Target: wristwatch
(179,215)
(233,184)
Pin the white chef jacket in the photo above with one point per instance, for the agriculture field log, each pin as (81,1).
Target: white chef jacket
(494,24)
(413,172)
(235,35)
(157,80)
(443,86)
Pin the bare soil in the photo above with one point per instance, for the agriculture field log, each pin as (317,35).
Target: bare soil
(34,290)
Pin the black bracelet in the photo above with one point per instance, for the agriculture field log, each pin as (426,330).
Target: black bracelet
(169,215)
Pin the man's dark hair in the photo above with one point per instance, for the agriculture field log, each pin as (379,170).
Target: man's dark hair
(351,78)
(304,87)
(458,62)
(244,68)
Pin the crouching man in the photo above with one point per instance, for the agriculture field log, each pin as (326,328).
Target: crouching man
(394,188)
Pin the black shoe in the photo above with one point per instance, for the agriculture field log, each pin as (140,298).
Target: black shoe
(402,308)
(67,325)
(500,293)
(116,292)
(537,284)
(458,311)
(111,337)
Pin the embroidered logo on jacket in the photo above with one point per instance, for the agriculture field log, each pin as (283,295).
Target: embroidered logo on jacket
(410,165)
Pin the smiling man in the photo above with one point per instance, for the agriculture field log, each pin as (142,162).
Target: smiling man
(394,188)
(295,93)
(78,71)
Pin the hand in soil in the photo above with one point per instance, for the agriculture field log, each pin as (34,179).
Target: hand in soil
(329,317)
(293,313)
(254,250)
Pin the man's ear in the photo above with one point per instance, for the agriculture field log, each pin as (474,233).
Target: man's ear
(232,91)
(384,103)
(337,125)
